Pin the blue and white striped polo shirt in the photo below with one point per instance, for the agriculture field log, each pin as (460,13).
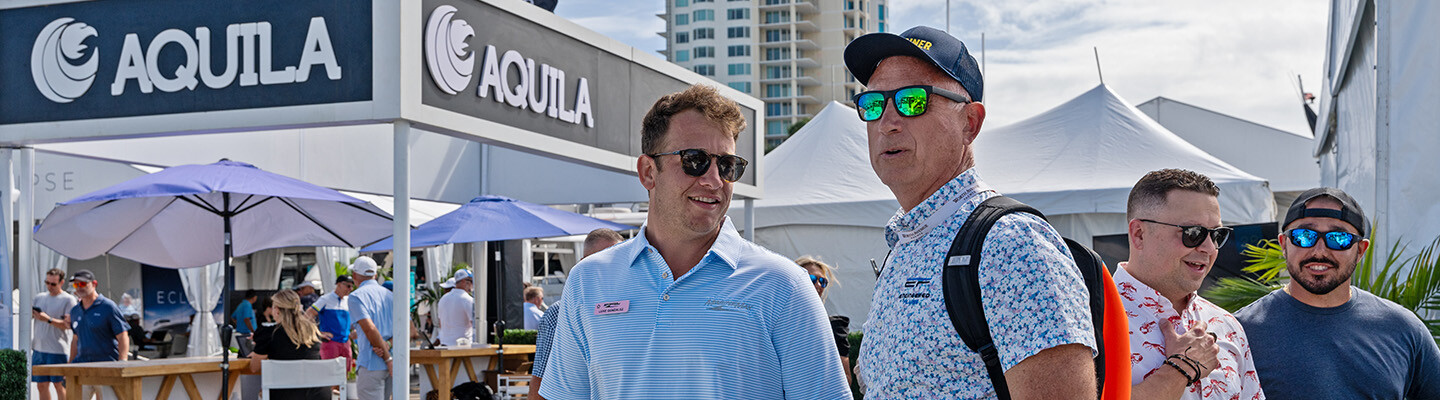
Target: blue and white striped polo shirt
(745,323)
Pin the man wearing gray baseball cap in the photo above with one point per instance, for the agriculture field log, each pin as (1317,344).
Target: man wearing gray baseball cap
(922,115)
(1321,338)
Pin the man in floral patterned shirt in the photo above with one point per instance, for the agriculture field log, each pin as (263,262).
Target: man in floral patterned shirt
(1182,346)
(923,115)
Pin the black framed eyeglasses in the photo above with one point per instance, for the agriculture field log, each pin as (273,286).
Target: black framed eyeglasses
(910,101)
(1335,240)
(696,162)
(1193,235)
(817,279)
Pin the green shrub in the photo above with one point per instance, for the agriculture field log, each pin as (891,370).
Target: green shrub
(519,336)
(12,374)
(856,336)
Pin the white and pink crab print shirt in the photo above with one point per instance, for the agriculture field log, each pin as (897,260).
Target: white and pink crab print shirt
(1235,379)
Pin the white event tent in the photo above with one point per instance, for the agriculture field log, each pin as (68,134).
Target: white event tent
(1076,163)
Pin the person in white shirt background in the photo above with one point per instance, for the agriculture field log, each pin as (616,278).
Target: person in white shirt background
(457,311)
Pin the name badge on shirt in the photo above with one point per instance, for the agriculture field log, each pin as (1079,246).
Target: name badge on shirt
(612,307)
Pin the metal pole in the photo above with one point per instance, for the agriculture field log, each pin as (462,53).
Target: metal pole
(227,331)
(24,260)
(947,16)
(400,323)
(7,259)
(750,219)
(1097,65)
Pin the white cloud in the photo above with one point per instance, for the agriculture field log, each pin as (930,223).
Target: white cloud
(1237,57)
(1234,57)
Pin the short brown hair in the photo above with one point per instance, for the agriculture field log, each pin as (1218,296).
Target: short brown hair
(1151,190)
(56,272)
(593,239)
(533,292)
(701,98)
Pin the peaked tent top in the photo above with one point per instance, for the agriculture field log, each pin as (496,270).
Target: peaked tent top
(822,175)
(1097,143)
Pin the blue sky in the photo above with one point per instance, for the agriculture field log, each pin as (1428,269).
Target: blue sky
(1231,56)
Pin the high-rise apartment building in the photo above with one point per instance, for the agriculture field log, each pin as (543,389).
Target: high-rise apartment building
(789,53)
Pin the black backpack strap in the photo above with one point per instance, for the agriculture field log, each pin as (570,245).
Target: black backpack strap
(1092,270)
(961,280)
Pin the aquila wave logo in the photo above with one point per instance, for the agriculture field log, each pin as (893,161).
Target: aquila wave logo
(53,60)
(451,62)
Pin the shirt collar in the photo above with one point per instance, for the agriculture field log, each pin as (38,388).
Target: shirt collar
(725,249)
(1123,276)
(965,185)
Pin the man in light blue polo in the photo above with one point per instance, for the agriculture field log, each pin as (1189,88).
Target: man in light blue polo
(688,309)
(370,306)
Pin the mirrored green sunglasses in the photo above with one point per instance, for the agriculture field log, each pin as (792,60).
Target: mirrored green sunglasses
(910,101)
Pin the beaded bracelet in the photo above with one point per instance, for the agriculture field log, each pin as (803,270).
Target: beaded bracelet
(1188,379)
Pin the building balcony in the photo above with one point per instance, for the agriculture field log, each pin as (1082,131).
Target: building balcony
(856,13)
(802,44)
(800,98)
(785,117)
(801,62)
(800,80)
(803,6)
(801,26)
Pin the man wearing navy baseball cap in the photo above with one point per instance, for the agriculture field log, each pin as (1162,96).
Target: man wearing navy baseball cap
(1318,337)
(922,115)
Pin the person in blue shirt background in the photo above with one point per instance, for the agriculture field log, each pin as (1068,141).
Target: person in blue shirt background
(101,333)
(688,309)
(244,315)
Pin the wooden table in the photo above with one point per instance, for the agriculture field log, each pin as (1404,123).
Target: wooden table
(125,376)
(442,363)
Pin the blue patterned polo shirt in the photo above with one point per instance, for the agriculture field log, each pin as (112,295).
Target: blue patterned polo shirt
(1033,295)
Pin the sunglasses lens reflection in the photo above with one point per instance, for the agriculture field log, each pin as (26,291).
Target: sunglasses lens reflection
(911,102)
(1339,240)
(871,104)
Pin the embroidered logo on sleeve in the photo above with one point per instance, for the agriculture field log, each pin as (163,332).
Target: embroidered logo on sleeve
(612,307)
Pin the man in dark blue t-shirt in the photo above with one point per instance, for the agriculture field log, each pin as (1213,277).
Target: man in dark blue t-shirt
(1320,338)
(100,330)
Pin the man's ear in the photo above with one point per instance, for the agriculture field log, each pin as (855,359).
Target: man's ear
(974,117)
(1135,232)
(647,170)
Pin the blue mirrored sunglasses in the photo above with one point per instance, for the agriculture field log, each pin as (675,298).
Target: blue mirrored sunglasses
(820,280)
(1336,240)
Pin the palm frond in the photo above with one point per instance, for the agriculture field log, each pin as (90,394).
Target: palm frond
(1266,260)
(1232,294)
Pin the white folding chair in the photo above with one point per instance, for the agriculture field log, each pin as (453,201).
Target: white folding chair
(291,374)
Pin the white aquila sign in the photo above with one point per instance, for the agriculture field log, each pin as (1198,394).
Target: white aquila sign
(540,88)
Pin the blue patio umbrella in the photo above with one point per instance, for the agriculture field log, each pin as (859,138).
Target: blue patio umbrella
(488,218)
(195,215)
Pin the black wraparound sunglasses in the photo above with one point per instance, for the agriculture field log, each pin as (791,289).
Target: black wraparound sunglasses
(1193,235)
(910,101)
(696,162)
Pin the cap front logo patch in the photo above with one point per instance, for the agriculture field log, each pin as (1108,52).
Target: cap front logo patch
(922,44)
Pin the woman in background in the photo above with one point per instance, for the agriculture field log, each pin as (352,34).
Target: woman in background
(822,275)
(293,337)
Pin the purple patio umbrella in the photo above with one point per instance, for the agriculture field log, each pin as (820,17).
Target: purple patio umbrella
(195,215)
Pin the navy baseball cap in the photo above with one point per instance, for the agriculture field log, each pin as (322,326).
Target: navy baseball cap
(923,42)
(1349,212)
